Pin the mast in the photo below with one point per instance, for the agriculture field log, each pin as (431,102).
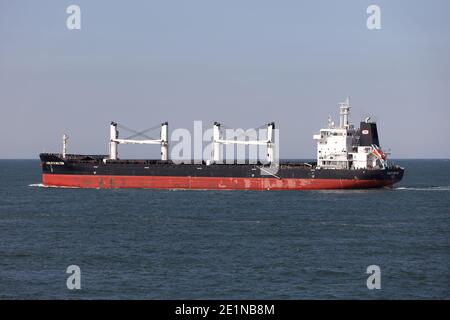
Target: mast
(269,142)
(114,134)
(216,143)
(344,111)
(65,137)
(164,141)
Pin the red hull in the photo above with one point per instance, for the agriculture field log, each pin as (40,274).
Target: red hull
(212,183)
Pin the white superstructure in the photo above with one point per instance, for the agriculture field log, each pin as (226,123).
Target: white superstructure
(346,147)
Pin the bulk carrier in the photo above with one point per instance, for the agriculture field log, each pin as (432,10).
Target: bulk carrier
(347,158)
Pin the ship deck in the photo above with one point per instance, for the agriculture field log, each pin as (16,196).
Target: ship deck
(83,158)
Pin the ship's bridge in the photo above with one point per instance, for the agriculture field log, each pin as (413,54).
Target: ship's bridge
(340,147)
(333,147)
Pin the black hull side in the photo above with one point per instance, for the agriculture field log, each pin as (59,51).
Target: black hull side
(94,165)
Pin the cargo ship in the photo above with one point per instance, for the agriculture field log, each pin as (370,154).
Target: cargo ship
(347,158)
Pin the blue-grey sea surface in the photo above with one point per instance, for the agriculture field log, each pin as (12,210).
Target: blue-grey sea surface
(163,244)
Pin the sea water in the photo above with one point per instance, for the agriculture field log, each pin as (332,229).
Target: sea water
(165,244)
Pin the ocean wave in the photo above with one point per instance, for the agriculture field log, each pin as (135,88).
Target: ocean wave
(40,185)
(440,188)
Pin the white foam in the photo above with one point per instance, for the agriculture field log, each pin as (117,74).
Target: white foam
(40,185)
(440,188)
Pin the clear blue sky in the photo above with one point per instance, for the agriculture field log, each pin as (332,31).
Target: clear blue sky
(240,62)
